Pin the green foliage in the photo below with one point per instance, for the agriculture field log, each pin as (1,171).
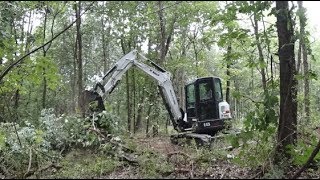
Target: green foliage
(46,139)
(264,114)
(201,31)
(153,165)
(303,149)
(17,150)
(257,148)
(82,164)
(109,122)
(2,140)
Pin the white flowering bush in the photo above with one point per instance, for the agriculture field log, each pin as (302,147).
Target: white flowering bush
(45,140)
(60,131)
(18,144)
(108,121)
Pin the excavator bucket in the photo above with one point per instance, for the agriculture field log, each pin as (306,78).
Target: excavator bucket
(92,102)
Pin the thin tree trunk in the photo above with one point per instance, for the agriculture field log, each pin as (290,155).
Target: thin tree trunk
(128,102)
(196,58)
(134,101)
(306,84)
(299,52)
(301,37)
(79,58)
(139,111)
(302,46)
(74,75)
(150,96)
(148,121)
(104,48)
(124,51)
(228,74)
(162,33)
(261,59)
(44,93)
(182,83)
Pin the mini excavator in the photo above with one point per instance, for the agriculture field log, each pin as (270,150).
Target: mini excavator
(205,114)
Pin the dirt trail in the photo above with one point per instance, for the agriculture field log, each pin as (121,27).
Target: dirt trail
(161,145)
(190,167)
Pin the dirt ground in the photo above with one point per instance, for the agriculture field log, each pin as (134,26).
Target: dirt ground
(220,169)
(188,163)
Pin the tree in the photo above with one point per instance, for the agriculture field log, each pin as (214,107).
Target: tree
(79,59)
(304,51)
(287,128)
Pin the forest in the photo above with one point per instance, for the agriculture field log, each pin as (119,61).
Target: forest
(261,56)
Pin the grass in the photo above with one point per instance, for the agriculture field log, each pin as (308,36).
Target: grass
(83,164)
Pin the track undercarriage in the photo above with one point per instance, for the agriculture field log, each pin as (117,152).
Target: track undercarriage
(204,140)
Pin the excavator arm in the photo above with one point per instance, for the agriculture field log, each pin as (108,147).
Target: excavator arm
(107,85)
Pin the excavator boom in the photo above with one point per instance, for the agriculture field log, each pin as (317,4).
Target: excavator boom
(107,85)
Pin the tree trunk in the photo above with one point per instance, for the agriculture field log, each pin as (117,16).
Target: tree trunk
(134,101)
(162,33)
(124,51)
(139,111)
(261,59)
(303,48)
(74,75)
(196,57)
(128,102)
(306,84)
(79,60)
(148,121)
(287,128)
(299,50)
(165,39)
(302,20)
(44,93)
(228,74)
(105,47)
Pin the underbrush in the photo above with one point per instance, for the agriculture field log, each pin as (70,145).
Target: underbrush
(26,148)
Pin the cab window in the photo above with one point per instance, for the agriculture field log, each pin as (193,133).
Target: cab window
(205,91)
(190,95)
(217,90)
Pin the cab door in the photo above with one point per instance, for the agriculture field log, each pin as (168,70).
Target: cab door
(191,103)
(207,106)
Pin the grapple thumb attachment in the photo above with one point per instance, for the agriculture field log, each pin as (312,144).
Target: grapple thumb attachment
(92,101)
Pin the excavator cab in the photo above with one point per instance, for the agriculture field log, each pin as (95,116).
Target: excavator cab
(203,105)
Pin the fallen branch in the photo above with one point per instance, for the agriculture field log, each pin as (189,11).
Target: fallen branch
(47,167)
(306,165)
(256,175)
(30,162)
(98,133)
(5,171)
(30,173)
(192,171)
(126,157)
(224,172)
(123,157)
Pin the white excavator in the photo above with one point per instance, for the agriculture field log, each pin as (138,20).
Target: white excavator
(205,113)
